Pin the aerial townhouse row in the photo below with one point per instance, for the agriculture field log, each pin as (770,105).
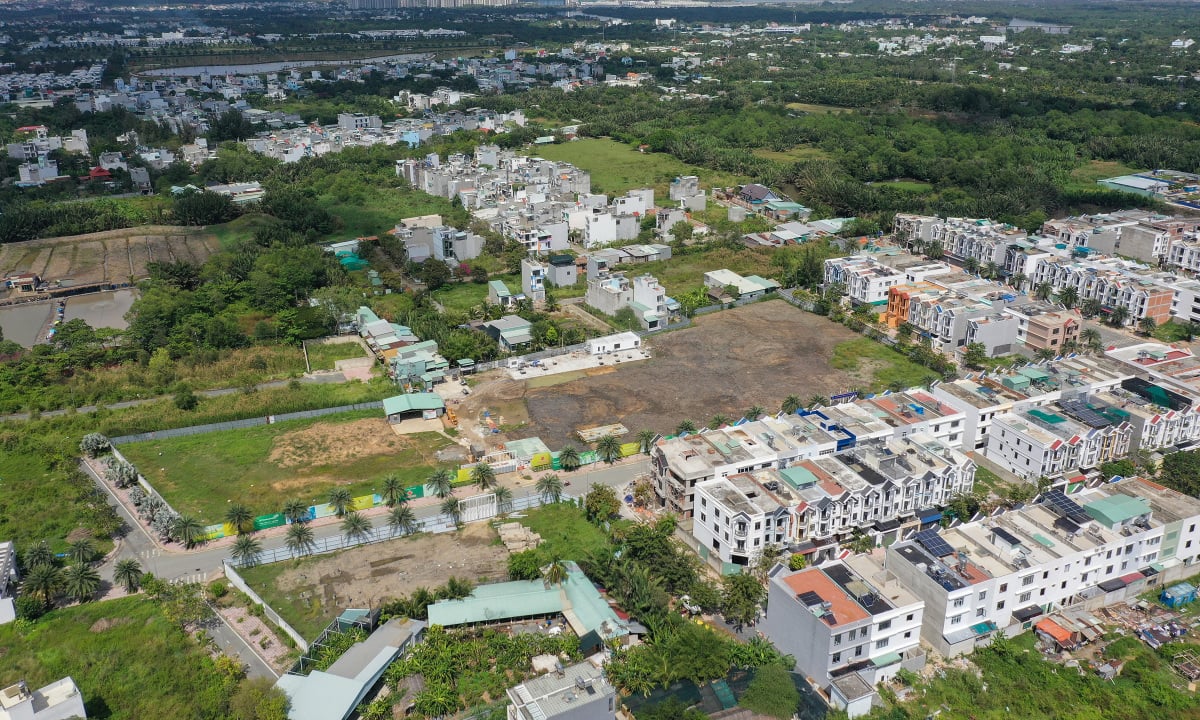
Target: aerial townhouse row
(1071,253)
(857,620)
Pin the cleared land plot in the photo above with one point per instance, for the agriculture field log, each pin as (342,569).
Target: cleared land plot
(615,167)
(566,533)
(322,356)
(264,466)
(798,153)
(116,256)
(1096,170)
(310,592)
(727,362)
(128,660)
(686,272)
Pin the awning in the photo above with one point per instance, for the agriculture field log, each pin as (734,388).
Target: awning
(1110,585)
(929,515)
(885,660)
(1150,571)
(886,525)
(1026,614)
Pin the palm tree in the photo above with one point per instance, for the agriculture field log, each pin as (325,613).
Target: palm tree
(718,420)
(441,482)
(645,440)
(554,573)
(608,449)
(1044,354)
(38,554)
(815,400)
(295,511)
(550,488)
(356,527)
(128,573)
(1068,297)
(1017,280)
(402,520)
(246,550)
(393,490)
(81,551)
(755,412)
(1090,337)
(300,539)
(790,404)
(340,499)
(80,582)
(452,509)
(1043,290)
(971,265)
(1090,307)
(568,458)
(240,517)
(187,530)
(991,270)
(1147,325)
(504,499)
(686,426)
(1118,316)
(483,476)
(43,581)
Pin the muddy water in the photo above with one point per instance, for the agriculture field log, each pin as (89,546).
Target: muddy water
(22,323)
(102,310)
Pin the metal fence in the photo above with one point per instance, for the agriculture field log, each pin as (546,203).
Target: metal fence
(237,581)
(435,524)
(241,424)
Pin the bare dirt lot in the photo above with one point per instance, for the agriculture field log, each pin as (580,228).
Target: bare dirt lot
(116,256)
(726,363)
(310,592)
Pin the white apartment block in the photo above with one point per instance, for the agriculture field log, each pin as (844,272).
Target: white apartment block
(349,122)
(643,294)
(1113,282)
(848,624)
(1084,550)
(961,238)
(736,518)
(1060,438)
(1162,419)
(983,396)
(59,700)
(866,280)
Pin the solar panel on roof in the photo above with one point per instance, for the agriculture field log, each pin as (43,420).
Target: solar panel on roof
(934,543)
(1064,506)
(810,598)
(1066,526)
(1006,536)
(1084,414)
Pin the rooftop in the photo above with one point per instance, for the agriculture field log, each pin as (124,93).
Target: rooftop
(558,693)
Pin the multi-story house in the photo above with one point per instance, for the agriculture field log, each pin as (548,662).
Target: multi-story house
(1162,419)
(1104,544)
(533,280)
(736,518)
(848,624)
(1040,327)
(1113,282)
(866,281)
(643,294)
(1052,440)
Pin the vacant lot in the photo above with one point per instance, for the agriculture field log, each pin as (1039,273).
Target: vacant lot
(127,659)
(615,167)
(310,592)
(116,256)
(880,366)
(686,272)
(264,466)
(727,362)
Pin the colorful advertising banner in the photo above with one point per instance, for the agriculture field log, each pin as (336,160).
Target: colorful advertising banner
(262,522)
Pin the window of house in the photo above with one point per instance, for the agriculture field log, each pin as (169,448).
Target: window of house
(1000,605)
(1027,581)
(1004,587)
(909,618)
(859,650)
(837,639)
(881,644)
(958,602)
(956,620)
(837,657)
(1025,597)
(885,624)
(908,635)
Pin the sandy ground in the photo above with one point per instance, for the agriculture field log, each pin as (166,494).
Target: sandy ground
(730,360)
(365,575)
(336,443)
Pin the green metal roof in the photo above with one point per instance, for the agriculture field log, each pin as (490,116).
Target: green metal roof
(885,660)
(1034,373)
(1043,540)
(500,288)
(798,477)
(412,402)
(1047,416)
(1116,509)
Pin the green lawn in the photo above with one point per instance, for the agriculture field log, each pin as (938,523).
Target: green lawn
(686,272)
(126,658)
(566,533)
(322,356)
(239,229)
(195,479)
(796,154)
(616,167)
(987,480)
(309,617)
(889,366)
(1096,170)
(462,296)
(915,186)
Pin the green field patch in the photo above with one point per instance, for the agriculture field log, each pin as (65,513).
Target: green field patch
(566,533)
(322,356)
(616,167)
(800,153)
(240,229)
(127,659)
(262,467)
(887,367)
(815,109)
(683,273)
(915,186)
(1097,170)
(463,296)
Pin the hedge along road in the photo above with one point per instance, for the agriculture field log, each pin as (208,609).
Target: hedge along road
(173,562)
(324,378)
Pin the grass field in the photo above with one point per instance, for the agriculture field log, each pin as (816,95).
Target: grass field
(239,229)
(796,154)
(616,167)
(684,273)
(1099,170)
(126,658)
(566,533)
(322,356)
(264,466)
(915,186)
(886,365)
(461,297)
(817,109)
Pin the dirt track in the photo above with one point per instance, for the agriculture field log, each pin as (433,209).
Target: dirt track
(727,362)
